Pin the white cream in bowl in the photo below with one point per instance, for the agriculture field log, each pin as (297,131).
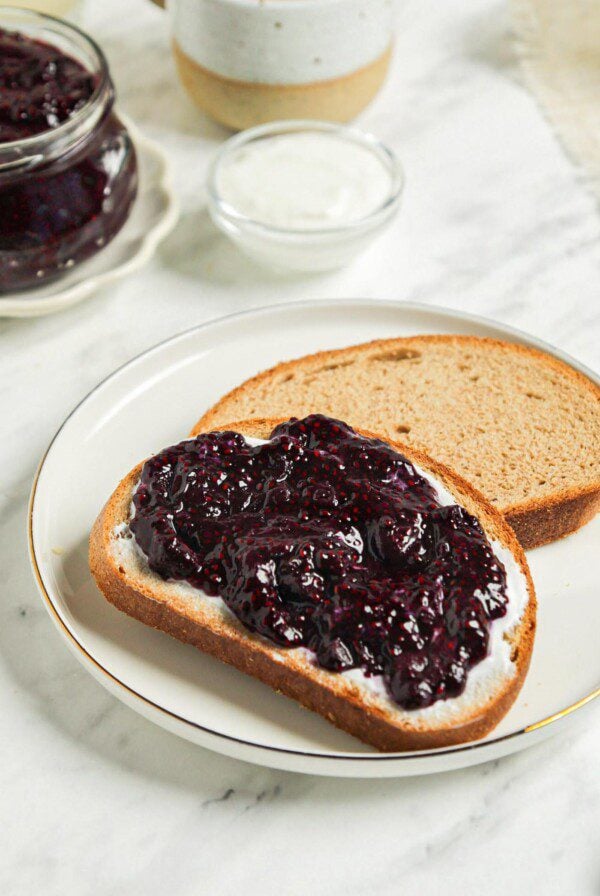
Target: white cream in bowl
(304,181)
(303,195)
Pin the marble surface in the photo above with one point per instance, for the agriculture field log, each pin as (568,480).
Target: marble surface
(495,220)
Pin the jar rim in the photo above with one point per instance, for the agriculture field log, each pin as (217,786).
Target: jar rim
(30,150)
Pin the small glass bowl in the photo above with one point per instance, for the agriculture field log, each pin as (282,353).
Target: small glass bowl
(303,250)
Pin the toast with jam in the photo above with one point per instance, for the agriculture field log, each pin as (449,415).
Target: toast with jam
(357,576)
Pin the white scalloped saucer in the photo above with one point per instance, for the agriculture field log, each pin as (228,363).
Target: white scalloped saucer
(152,217)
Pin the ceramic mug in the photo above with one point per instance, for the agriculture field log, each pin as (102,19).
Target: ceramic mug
(245,62)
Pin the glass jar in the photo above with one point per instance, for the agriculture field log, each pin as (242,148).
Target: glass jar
(64,192)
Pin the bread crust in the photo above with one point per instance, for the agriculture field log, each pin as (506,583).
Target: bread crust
(535,521)
(331,695)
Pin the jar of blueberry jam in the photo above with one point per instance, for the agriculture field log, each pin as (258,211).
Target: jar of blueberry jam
(68,174)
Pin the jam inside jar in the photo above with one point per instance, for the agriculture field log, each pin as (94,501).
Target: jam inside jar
(68,173)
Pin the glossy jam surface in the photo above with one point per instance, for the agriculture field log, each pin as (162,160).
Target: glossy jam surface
(40,87)
(325,539)
(56,213)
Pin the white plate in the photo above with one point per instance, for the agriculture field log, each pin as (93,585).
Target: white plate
(152,217)
(153,401)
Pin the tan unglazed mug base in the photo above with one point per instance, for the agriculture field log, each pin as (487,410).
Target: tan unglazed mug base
(242,104)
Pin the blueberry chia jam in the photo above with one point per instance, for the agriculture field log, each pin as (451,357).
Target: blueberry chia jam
(325,539)
(67,165)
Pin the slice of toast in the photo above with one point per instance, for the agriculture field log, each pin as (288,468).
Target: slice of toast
(186,613)
(522,426)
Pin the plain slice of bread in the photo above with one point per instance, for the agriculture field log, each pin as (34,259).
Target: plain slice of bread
(522,426)
(345,699)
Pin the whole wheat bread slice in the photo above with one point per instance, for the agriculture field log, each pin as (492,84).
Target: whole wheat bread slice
(185,613)
(522,426)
